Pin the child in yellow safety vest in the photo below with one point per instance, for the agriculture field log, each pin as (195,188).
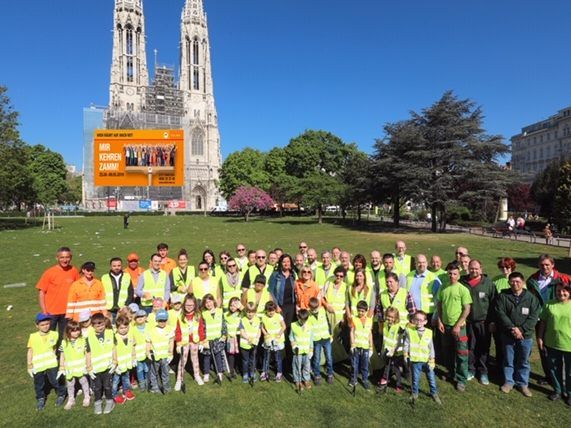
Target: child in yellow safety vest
(101,361)
(392,351)
(42,361)
(189,333)
(139,332)
(232,320)
(250,330)
(126,360)
(419,352)
(361,344)
(273,328)
(214,345)
(321,340)
(300,338)
(73,363)
(160,346)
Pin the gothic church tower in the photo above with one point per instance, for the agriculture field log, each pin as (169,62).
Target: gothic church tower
(203,137)
(129,73)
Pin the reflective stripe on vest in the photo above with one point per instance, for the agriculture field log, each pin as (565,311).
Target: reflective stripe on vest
(404,266)
(391,338)
(180,283)
(320,325)
(261,304)
(187,329)
(337,297)
(252,329)
(157,289)
(123,292)
(273,326)
(201,289)
(43,353)
(426,297)
(160,338)
(74,355)
(419,346)
(232,323)
(362,332)
(101,353)
(213,323)
(140,343)
(399,303)
(228,291)
(125,352)
(357,298)
(302,337)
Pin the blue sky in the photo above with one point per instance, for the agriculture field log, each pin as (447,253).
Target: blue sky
(283,66)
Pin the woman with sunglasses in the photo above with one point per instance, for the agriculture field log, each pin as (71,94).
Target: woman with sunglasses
(204,284)
(210,259)
(306,288)
(230,283)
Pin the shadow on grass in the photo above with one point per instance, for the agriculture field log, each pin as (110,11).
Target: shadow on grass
(18,223)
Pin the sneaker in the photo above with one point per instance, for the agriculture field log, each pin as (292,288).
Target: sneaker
(109,406)
(543,381)
(484,380)
(41,404)
(264,377)
(98,407)
(554,396)
(317,381)
(470,376)
(70,403)
(279,377)
(568,401)
(60,400)
(382,382)
(413,398)
(399,389)
(119,399)
(206,378)
(299,386)
(330,379)
(245,379)
(199,380)
(143,386)
(177,385)
(155,391)
(366,385)
(525,391)
(129,395)
(506,388)
(460,387)
(437,399)
(307,385)
(86,401)
(220,377)
(233,375)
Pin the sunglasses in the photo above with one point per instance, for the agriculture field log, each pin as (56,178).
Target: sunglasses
(223,258)
(133,261)
(303,246)
(230,266)
(203,269)
(241,249)
(460,254)
(75,329)
(305,271)
(339,275)
(260,257)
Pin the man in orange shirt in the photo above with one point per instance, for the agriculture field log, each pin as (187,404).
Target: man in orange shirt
(134,269)
(167,264)
(87,293)
(306,288)
(54,288)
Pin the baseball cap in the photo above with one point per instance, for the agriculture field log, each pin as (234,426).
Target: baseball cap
(261,279)
(140,313)
(162,315)
(85,315)
(133,256)
(133,307)
(176,298)
(43,317)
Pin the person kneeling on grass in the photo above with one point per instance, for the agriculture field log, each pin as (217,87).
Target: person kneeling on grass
(361,344)
(42,361)
(419,352)
(300,338)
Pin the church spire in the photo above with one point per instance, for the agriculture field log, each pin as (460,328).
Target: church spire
(193,10)
(129,73)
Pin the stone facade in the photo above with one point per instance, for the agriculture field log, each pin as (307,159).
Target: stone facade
(541,143)
(185,103)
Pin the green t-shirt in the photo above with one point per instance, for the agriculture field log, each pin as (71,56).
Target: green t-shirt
(501,283)
(453,298)
(557,318)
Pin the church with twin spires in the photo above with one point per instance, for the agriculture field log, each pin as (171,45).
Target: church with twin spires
(183,100)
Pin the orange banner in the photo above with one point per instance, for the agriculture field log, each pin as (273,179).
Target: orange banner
(129,157)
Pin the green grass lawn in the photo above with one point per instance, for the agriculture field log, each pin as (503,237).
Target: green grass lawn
(28,251)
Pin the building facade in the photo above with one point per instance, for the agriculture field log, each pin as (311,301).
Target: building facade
(171,101)
(542,143)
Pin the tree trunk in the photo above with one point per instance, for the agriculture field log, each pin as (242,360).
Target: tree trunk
(247,215)
(319,215)
(442,219)
(433,211)
(396,211)
(359,213)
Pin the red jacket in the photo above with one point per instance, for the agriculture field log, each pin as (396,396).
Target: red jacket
(201,330)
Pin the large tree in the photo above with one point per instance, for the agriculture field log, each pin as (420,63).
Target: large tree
(49,172)
(543,188)
(247,199)
(243,168)
(562,200)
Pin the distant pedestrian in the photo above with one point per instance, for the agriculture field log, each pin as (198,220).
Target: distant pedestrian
(126,220)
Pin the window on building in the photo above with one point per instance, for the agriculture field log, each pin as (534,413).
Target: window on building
(197,143)
(199,202)
(195,56)
(195,74)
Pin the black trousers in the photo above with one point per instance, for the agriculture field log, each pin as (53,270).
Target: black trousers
(101,385)
(40,383)
(479,340)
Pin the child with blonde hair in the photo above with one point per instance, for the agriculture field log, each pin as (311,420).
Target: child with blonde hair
(250,332)
(73,363)
(392,350)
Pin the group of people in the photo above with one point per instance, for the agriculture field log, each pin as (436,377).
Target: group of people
(150,155)
(268,315)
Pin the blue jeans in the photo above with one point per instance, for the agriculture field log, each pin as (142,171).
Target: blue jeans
(248,361)
(159,368)
(142,370)
(268,357)
(122,379)
(516,360)
(360,361)
(301,367)
(326,345)
(417,369)
(40,383)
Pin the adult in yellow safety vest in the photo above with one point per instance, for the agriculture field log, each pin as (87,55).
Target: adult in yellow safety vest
(230,283)
(324,271)
(395,297)
(420,284)
(117,285)
(259,295)
(403,262)
(204,284)
(260,268)
(242,258)
(181,276)
(154,282)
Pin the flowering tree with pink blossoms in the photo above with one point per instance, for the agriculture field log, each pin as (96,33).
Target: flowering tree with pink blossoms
(247,199)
